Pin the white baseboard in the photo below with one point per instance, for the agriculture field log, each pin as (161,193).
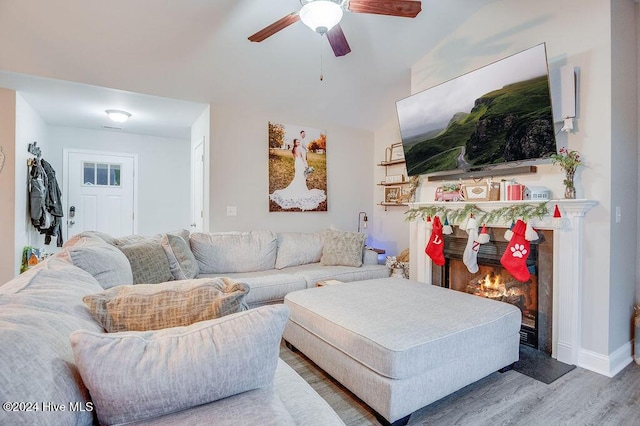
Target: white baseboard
(606,365)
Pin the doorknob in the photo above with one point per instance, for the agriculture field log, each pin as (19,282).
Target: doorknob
(71,223)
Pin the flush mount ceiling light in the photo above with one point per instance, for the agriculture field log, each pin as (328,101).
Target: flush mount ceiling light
(117,115)
(321,15)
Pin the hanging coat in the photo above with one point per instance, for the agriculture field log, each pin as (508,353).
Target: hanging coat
(45,201)
(54,195)
(37,194)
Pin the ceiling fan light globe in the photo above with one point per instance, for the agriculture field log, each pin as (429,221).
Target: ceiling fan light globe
(118,116)
(321,15)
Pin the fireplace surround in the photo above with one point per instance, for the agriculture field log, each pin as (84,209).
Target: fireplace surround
(567,265)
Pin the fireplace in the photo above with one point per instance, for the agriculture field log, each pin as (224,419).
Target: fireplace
(493,281)
(563,262)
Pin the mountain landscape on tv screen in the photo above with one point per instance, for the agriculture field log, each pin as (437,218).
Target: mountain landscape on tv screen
(514,123)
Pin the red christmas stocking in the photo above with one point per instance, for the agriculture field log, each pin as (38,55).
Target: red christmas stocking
(435,247)
(515,256)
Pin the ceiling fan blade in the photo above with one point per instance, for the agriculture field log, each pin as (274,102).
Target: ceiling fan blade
(402,8)
(280,24)
(338,41)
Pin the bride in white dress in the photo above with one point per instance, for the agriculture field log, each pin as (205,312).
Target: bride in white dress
(297,194)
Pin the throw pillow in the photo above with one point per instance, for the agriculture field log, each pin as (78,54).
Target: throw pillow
(135,376)
(182,264)
(148,260)
(146,307)
(342,248)
(90,235)
(108,265)
(298,248)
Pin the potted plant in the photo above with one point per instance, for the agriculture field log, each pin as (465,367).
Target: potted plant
(569,160)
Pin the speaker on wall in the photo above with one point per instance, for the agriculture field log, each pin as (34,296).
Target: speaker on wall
(568,87)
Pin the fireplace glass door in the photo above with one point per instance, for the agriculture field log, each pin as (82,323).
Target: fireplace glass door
(495,282)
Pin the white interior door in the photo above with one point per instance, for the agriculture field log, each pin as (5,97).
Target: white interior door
(198,187)
(100,192)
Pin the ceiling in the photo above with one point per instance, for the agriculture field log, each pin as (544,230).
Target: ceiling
(165,60)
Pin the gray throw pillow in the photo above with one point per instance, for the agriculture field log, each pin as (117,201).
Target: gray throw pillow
(182,263)
(342,248)
(133,376)
(108,265)
(148,260)
(145,307)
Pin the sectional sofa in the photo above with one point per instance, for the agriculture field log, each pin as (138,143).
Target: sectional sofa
(60,367)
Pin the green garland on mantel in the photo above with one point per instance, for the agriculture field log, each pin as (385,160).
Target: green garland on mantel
(507,214)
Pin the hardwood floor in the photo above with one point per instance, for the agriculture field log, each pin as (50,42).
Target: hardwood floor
(580,397)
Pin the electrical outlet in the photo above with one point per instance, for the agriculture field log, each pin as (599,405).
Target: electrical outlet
(618,214)
(232,211)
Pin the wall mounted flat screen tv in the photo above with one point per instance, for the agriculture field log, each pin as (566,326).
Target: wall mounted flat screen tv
(497,115)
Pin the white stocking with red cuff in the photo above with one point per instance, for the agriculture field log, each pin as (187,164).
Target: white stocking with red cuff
(470,255)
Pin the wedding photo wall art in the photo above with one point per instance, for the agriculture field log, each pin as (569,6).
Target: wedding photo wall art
(297,168)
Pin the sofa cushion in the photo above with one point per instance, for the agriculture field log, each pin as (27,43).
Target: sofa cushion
(314,272)
(234,251)
(342,248)
(104,262)
(148,260)
(268,286)
(256,407)
(134,376)
(146,307)
(39,309)
(303,403)
(182,262)
(298,248)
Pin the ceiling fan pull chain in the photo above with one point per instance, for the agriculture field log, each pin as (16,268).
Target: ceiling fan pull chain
(321,59)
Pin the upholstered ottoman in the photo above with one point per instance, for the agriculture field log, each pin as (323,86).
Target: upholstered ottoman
(400,345)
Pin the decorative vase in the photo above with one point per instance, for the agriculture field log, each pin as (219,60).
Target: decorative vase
(569,187)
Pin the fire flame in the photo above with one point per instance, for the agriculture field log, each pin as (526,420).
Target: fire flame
(491,281)
(493,286)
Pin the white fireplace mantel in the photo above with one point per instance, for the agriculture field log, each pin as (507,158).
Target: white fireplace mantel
(567,264)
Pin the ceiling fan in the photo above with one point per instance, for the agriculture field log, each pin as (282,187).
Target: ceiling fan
(323,16)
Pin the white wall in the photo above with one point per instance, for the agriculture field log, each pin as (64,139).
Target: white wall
(389,227)
(624,163)
(29,128)
(239,173)
(576,32)
(163,172)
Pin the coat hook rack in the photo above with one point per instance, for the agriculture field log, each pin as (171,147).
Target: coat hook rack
(33,149)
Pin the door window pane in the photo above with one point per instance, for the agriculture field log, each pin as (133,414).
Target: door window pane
(102,174)
(114,174)
(89,172)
